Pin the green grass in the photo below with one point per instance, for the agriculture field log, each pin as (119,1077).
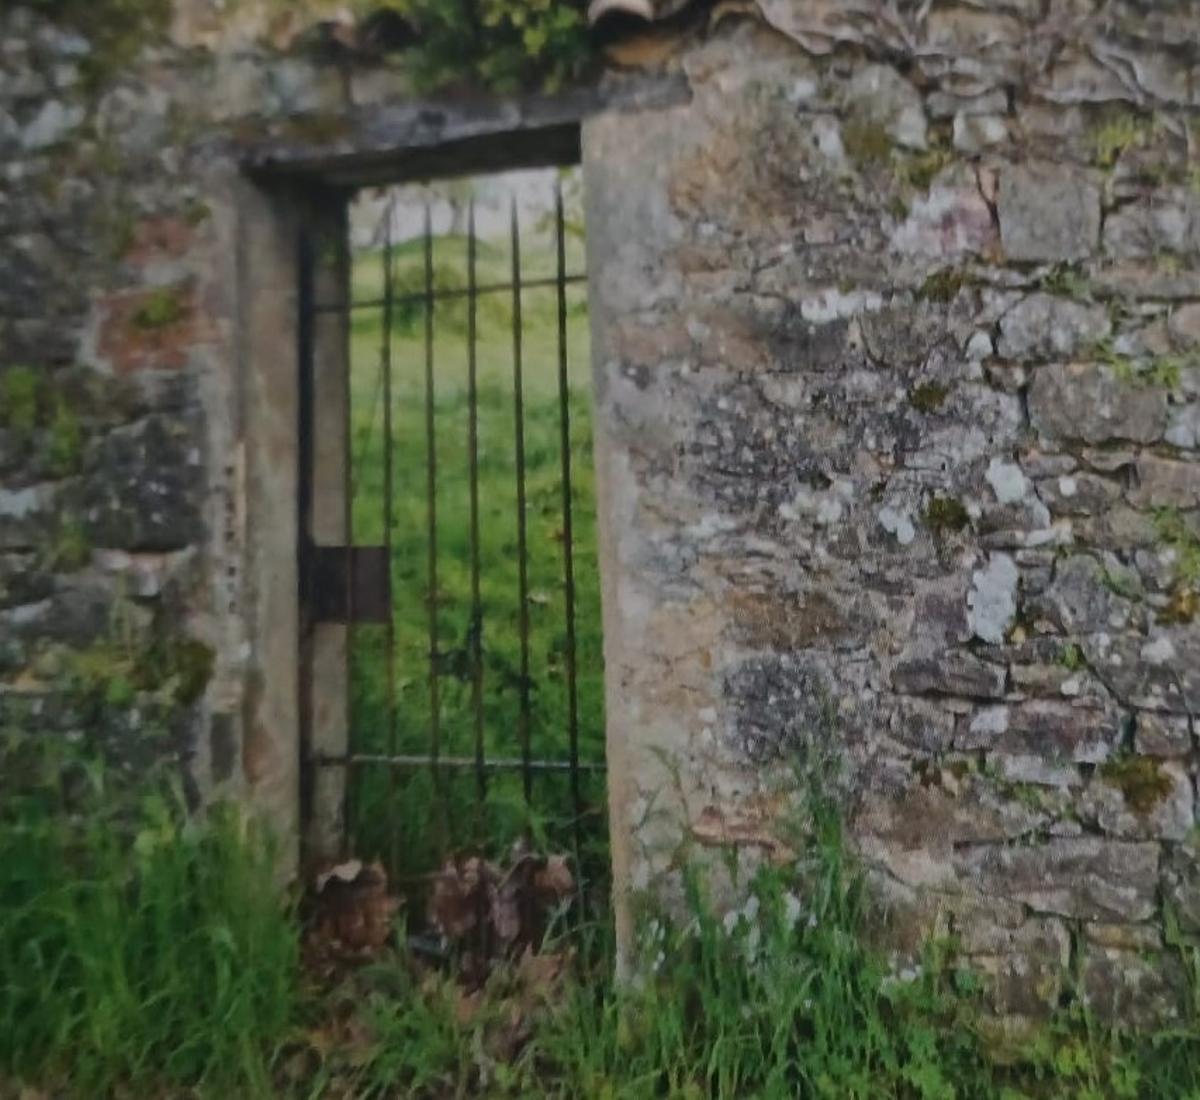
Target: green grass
(398,816)
(168,968)
(143,969)
(783,999)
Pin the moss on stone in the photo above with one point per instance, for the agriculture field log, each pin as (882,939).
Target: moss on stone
(866,143)
(1119,131)
(945,514)
(196,212)
(928,396)
(70,550)
(1140,780)
(1175,534)
(1068,280)
(160,310)
(1182,606)
(919,169)
(942,286)
(65,440)
(183,666)
(1071,657)
(20,390)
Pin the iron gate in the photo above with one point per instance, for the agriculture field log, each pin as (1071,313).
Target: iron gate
(494,740)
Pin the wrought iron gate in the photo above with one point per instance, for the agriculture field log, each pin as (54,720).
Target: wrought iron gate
(491,742)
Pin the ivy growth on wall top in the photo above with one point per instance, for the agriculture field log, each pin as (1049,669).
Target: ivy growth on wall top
(501,44)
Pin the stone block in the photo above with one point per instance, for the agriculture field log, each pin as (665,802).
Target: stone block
(1132,988)
(1058,732)
(1159,674)
(1083,877)
(881,95)
(1026,965)
(1181,885)
(923,725)
(1162,735)
(942,806)
(973,133)
(1048,213)
(949,673)
(950,222)
(144,489)
(1165,482)
(1167,221)
(1081,599)
(27,517)
(1046,327)
(24,579)
(1141,798)
(1078,493)
(1088,403)
(1183,325)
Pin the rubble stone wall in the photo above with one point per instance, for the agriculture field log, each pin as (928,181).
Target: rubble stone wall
(897,352)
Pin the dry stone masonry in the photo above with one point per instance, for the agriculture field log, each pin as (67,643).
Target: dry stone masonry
(896,317)
(899,377)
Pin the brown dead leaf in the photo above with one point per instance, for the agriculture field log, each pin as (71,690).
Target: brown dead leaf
(352,909)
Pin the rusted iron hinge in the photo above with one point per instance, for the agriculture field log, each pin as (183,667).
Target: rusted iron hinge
(349,584)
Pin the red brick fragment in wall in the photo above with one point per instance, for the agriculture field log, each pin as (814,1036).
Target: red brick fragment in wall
(131,344)
(159,238)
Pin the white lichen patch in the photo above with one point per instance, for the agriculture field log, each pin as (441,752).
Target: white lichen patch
(899,523)
(992,601)
(1007,481)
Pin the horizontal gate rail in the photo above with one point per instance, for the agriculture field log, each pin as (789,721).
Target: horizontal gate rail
(491,763)
(419,297)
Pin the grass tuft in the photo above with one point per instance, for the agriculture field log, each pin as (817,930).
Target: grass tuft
(145,961)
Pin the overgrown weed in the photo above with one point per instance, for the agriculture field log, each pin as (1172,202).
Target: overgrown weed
(140,961)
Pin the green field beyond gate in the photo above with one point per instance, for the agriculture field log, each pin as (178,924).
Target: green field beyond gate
(402,814)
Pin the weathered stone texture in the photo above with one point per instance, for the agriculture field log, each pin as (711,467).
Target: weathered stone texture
(897,418)
(929,353)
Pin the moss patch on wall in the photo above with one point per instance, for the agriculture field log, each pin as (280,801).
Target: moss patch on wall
(1140,780)
(944,514)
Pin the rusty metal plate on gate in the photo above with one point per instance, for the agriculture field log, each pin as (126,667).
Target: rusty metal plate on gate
(350,584)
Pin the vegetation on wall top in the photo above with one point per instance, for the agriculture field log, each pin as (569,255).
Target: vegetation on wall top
(501,44)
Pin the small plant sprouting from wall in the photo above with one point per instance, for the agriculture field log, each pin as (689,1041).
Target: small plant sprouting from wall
(502,44)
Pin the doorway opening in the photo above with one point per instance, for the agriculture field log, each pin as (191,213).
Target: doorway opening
(459,616)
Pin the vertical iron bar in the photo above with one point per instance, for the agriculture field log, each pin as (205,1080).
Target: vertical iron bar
(304,496)
(475,640)
(435,734)
(568,541)
(348,543)
(385,362)
(522,555)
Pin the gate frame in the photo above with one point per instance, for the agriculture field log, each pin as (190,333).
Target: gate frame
(296,702)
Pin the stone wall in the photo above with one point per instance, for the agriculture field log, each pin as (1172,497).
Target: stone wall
(125,614)
(897,326)
(898,366)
